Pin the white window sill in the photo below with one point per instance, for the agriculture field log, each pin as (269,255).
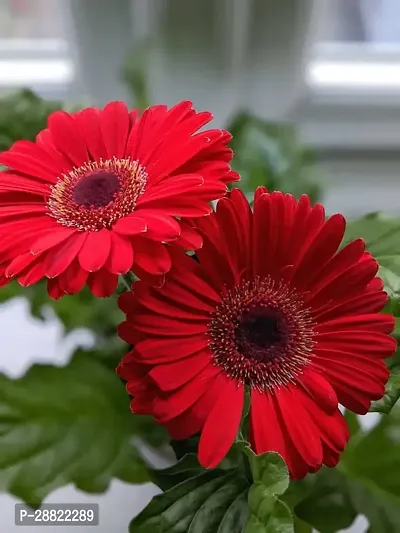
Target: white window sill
(42,65)
(353,97)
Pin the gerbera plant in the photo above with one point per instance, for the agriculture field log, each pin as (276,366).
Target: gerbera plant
(259,329)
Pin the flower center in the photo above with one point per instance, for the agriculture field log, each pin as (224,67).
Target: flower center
(262,334)
(96,190)
(97,194)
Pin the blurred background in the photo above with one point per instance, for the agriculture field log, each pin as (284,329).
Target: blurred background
(310,90)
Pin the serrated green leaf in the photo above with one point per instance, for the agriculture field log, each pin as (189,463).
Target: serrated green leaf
(268,514)
(65,425)
(214,501)
(278,520)
(270,470)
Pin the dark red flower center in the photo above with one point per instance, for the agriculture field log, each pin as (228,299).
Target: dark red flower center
(97,194)
(96,190)
(262,334)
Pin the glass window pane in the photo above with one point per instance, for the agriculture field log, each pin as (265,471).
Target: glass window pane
(362,21)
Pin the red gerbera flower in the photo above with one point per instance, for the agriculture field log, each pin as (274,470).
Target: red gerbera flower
(270,306)
(99,191)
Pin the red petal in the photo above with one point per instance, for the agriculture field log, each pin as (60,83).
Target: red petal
(167,326)
(371,321)
(73,279)
(319,390)
(333,429)
(120,259)
(299,426)
(345,259)
(54,290)
(114,128)
(268,432)
(58,259)
(370,302)
(95,251)
(125,301)
(165,350)
(320,251)
(12,182)
(127,332)
(192,420)
(367,342)
(216,437)
(57,235)
(345,285)
(102,283)
(68,138)
(179,401)
(28,158)
(33,274)
(165,301)
(160,227)
(152,257)
(13,212)
(89,123)
(172,375)
(190,238)
(130,225)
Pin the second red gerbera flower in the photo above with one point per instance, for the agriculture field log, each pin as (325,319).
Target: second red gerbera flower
(99,193)
(271,306)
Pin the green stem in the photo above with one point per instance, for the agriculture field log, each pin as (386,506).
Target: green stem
(127,280)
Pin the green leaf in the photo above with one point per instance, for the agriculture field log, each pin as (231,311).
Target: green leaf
(66,425)
(328,508)
(276,520)
(376,457)
(135,73)
(270,154)
(212,502)
(380,232)
(270,470)
(352,422)
(338,499)
(392,394)
(301,527)
(184,447)
(22,115)
(366,482)
(187,467)
(268,514)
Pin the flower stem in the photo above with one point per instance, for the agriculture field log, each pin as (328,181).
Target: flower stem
(127,280)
